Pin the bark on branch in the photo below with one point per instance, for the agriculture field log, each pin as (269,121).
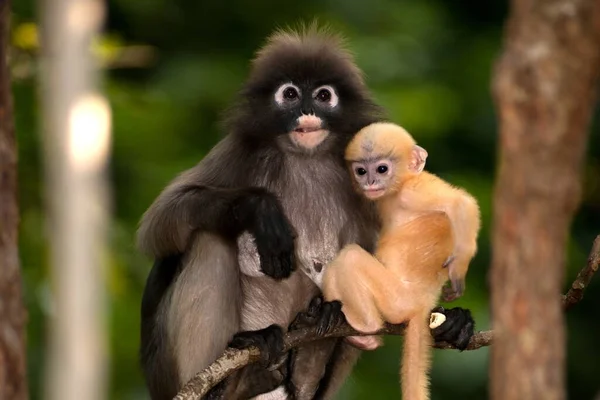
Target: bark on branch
(234,359)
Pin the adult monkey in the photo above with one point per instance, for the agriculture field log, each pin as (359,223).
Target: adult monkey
(278,178)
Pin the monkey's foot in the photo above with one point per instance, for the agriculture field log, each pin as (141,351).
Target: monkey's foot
(457,329)
(216,393)
(325,315)
(268,340)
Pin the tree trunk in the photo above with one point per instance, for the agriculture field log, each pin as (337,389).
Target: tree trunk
(76,139)
(544,88)
(13,316)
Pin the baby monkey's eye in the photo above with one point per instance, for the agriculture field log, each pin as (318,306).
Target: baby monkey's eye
(382,169)
(361,171)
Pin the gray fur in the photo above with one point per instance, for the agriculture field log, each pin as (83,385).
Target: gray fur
(318,199)
(190,314)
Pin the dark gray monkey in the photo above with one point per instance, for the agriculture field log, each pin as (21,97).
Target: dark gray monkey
(227,234)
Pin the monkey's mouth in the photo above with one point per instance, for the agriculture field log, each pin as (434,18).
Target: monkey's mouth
(308,130)
(373,193)
(308,138)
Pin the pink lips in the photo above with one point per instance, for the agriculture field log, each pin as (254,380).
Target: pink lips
(308,123)
(307,130)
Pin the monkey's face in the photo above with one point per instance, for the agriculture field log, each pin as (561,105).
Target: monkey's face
(304,96)
(305,112)
(375,177)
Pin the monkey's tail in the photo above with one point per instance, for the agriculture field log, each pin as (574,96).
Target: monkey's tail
(416,359)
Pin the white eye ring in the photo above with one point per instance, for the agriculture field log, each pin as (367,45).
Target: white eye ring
(280,93)
(333,97)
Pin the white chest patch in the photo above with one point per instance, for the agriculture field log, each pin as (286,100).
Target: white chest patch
(312,254)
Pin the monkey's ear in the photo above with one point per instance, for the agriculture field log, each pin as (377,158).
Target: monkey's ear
(417,159)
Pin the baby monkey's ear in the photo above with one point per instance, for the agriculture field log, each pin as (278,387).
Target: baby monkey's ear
(418,156)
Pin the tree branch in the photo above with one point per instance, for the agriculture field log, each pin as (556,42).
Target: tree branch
(235,359)
(575,293)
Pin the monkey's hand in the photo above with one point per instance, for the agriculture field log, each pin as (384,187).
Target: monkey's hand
(325,315)
(260,213)
(457,329)
(454,291)
(268,340)
(456,273)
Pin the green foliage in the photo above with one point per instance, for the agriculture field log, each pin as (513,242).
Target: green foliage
(428,62)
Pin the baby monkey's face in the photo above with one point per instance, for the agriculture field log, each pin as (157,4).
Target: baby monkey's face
(374,176)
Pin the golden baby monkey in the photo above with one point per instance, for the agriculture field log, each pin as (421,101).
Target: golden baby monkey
(427,225)
(386,160)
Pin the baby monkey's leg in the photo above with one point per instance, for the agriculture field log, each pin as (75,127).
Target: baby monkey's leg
(370,293)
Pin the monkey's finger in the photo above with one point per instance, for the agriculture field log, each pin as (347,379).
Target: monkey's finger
(314,308)
(436,320)
(448,261)
(458,286)
(331,317)
(448,294)
(438,309)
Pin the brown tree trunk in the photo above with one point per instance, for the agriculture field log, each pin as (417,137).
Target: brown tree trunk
(76,147)
(12,312)
(545,88)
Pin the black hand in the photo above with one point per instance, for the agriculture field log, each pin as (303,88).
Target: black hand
(268,340)
(261,213)
(457,329)
(325,315)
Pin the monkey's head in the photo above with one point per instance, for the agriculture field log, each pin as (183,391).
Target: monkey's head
(304,93)
(381,156)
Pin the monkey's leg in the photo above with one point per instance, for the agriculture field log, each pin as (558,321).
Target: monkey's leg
(310,360)
(340,365)
(370,293)
(204,311)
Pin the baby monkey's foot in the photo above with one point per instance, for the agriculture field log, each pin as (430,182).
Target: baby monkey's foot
(268,340)
(325,315)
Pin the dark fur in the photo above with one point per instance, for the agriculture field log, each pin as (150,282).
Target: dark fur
(196,299)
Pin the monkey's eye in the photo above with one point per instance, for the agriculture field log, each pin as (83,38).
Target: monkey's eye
(287,93)
(361,171)
(290,93)
(326,95)
(382,169)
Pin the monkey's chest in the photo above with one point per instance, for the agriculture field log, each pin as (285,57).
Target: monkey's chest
(322,224)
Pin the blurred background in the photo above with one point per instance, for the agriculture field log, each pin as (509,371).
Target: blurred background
(171,67)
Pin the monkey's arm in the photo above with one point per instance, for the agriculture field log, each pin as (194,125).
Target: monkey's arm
(429,192)
(466,222)
(369,292)
(183,209)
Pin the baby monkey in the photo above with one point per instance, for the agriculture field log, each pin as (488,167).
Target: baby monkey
(387,166)
(429,233)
